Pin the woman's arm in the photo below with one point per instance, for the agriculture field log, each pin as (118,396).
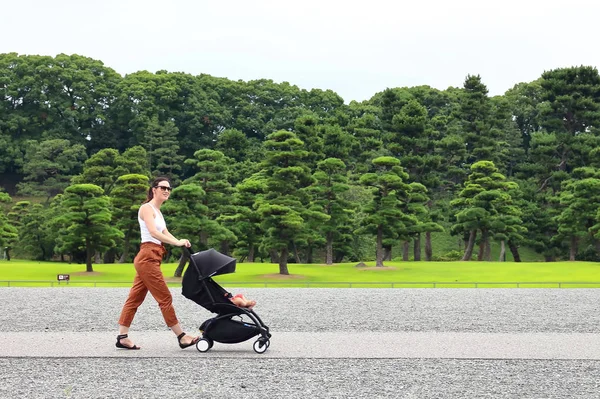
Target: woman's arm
(147,215)
(168,234)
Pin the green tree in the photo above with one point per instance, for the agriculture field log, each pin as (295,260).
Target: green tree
(49,167)
(418,209)
(330,184)
(211,171)
(36,238)
(242,219)
(480,134)
(525,104)
(100,169)
(413,141)
(284,202)
(163,149)
(126,198)
(384,215)
(87,220)
(134,160)
(189,218)
(482,205)
(579,201)
(8,233)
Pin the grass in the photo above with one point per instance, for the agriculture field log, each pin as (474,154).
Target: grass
(407,274)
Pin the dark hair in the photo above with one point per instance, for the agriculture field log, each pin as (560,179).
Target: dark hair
(155,182)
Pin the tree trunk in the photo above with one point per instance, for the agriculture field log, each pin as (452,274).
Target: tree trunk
(379,250)
(480,252)
(225,248)
(417,247)
(329,249)
(251,253)
(428,248)
(387,252)
(283,269)
(480,255)
(182,261)
(469,248)
(296,256)
(275,256)
(110,256)
(88,256)
(97,258)
(514,250)
(125,253)
(405,249)
(309,254)
(573,248)
(204,239)
(502,256)
(487,251)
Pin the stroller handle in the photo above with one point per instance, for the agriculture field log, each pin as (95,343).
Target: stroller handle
(187,251)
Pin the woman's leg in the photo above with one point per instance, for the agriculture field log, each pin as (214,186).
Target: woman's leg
(136,297)
(160,291)
(153,278)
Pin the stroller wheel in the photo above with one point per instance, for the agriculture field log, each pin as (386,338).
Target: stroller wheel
(204,344)
(261,345)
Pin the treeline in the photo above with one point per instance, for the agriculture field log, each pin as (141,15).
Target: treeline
(267,170)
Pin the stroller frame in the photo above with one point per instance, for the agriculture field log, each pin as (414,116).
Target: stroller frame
(222,328)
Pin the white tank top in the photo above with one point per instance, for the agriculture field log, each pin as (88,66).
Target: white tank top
(159,222)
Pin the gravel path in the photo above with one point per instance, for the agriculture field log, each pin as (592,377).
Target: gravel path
(305,310)
(321,309)
(299,378)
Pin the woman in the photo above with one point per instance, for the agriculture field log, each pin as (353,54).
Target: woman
(148,275)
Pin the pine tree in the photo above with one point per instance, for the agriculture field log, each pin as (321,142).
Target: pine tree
(384,215)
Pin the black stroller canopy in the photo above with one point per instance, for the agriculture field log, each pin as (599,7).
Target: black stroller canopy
(211,262)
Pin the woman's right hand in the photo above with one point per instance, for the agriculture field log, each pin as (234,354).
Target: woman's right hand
(184,243)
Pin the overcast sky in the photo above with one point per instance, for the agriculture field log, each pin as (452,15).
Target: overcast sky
(355,48)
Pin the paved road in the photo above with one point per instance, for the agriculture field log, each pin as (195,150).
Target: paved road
(327,343)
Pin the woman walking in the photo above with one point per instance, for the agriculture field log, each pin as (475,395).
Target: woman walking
(147,263)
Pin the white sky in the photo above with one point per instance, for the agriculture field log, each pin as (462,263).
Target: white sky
(355,48)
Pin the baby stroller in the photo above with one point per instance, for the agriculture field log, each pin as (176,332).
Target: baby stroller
(232,324)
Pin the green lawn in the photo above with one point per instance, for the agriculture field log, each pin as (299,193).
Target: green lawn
(458,274)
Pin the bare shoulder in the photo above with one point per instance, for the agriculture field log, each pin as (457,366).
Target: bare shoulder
(146,210)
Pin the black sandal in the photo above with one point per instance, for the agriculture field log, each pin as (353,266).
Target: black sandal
(120,345)
(183,346)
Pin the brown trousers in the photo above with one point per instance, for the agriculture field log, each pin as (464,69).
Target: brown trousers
(149,278)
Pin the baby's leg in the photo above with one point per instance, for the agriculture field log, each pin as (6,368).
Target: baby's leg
(237,301)
(241,301)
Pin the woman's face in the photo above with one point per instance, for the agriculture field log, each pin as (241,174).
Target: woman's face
(162,190)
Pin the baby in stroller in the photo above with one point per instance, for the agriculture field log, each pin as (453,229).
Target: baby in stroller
(236,321)
(243,302)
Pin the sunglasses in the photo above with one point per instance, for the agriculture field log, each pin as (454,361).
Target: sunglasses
(165,188)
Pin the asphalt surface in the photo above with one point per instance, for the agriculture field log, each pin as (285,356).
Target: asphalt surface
(327,343)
